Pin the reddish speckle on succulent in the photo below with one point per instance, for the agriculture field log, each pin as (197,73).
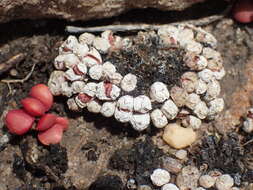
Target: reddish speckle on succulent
(84,97)
(46,122)
(111,39)
(243,11)
(33,106)
(77,71)
(18,121)
(93,57)
(108,89)
(52,135)
(63,121)
(43,94)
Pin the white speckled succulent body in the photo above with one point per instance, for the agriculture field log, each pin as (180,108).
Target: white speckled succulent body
(92,82)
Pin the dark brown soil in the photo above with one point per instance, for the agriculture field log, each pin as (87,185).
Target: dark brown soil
(150,62)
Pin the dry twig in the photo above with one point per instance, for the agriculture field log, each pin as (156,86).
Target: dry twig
(11,62)
(9,81)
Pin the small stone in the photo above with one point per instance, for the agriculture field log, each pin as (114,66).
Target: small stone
(68,45)
(184,36)
(107,91)
(194,47)
(108,69)
(72,105)
(188,178)
(200,87)
(181,154)
(64,61)
(169,109)
(206,181)
(201,110)
(55,81)
(77,86)
(168,31)
(86,38)
(93,106)
(101,92)
(96,72)
(159,92)
(179,137)
(224,182)
(168,35)
(235,188)
(203,36)
(215,174)
(171,165)
(126,103)
(131,184)
(142,104)
(169,186)
(191,121)
(192,101)
(213,90)
(72,76)
(108,109)
(80,100)
(129,82)
(216,106)
(90,89)
(219,74)
(248,125)
(188,81)
(144,187)
(214,59)
(194,61)
(92,58)
(115,78)
(81,50)
(179,95)
(158,118)
(66,90)
(206,75)
(159,177)
(101,44)
(140,121)
(200,188)
(122,116)
(80,69)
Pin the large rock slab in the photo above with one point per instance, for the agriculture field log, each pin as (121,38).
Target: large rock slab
(81,9)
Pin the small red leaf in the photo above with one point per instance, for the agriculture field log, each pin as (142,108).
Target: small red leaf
(63,121)
(51,136)
(33,106)
(243,11)
(46,121)
(18,121)
(43,94)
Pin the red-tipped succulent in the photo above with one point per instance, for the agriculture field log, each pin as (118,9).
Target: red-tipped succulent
(243,11)
(52,135)
(33,106)
(50,126)
(18,121)
(43,94)
(46,121)
(63,121)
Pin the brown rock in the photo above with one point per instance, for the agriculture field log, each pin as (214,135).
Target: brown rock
(239,102)
(81,9)
(171,165)
(188,178)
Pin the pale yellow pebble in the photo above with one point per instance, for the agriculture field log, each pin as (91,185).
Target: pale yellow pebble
(178,137)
